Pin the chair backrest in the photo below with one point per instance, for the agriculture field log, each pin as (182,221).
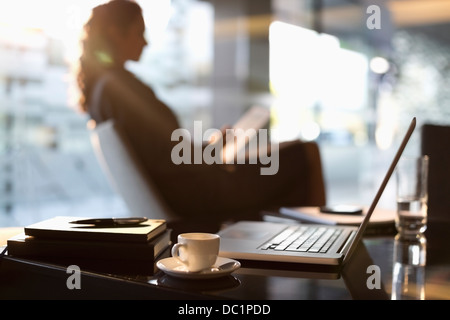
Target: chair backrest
(316,183)
(435,142)
(125,173)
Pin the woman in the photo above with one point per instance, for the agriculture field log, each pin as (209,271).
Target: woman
(114,34)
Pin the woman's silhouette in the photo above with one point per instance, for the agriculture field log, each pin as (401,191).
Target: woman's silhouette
(113,35)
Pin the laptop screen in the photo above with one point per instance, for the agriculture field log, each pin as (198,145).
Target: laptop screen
(388,175)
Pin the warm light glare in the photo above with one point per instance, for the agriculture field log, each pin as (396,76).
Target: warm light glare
(379,65)
(38,36)
(310,70)
(384,137)
(56,18)
(64,20)
(310,131)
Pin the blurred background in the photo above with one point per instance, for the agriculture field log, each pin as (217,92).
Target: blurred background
(348,74)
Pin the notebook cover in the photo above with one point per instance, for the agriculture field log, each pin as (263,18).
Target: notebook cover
(130,267)
(60,228)
(22,245)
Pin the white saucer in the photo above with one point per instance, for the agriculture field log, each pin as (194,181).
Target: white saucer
(174,267)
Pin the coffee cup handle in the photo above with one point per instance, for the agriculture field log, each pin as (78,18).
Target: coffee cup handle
(176,252)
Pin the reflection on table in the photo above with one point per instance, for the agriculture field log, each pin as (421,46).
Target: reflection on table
(403,268)
(408,273)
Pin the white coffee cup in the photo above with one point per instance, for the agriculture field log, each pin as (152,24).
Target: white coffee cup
(197,250)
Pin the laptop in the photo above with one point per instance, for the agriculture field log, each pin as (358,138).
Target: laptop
(311,244)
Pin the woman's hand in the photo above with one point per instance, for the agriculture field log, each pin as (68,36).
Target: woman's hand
(223,132)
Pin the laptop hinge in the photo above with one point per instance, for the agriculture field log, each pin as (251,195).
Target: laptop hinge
(347,243)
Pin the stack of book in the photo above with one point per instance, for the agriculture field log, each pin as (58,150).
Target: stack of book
(117,250)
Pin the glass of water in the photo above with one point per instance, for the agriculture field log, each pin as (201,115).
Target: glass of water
(408,273)
(412,196)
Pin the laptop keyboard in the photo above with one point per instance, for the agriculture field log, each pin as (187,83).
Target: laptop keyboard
(303,239)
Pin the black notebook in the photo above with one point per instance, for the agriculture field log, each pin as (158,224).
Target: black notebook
(25,246)
(129,267)
(60,228)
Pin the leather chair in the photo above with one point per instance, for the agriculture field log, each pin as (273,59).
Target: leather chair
(126,173)
(435,142)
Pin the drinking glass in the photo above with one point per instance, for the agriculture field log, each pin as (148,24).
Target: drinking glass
(412,196)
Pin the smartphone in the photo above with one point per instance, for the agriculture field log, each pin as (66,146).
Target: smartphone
(342,209)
